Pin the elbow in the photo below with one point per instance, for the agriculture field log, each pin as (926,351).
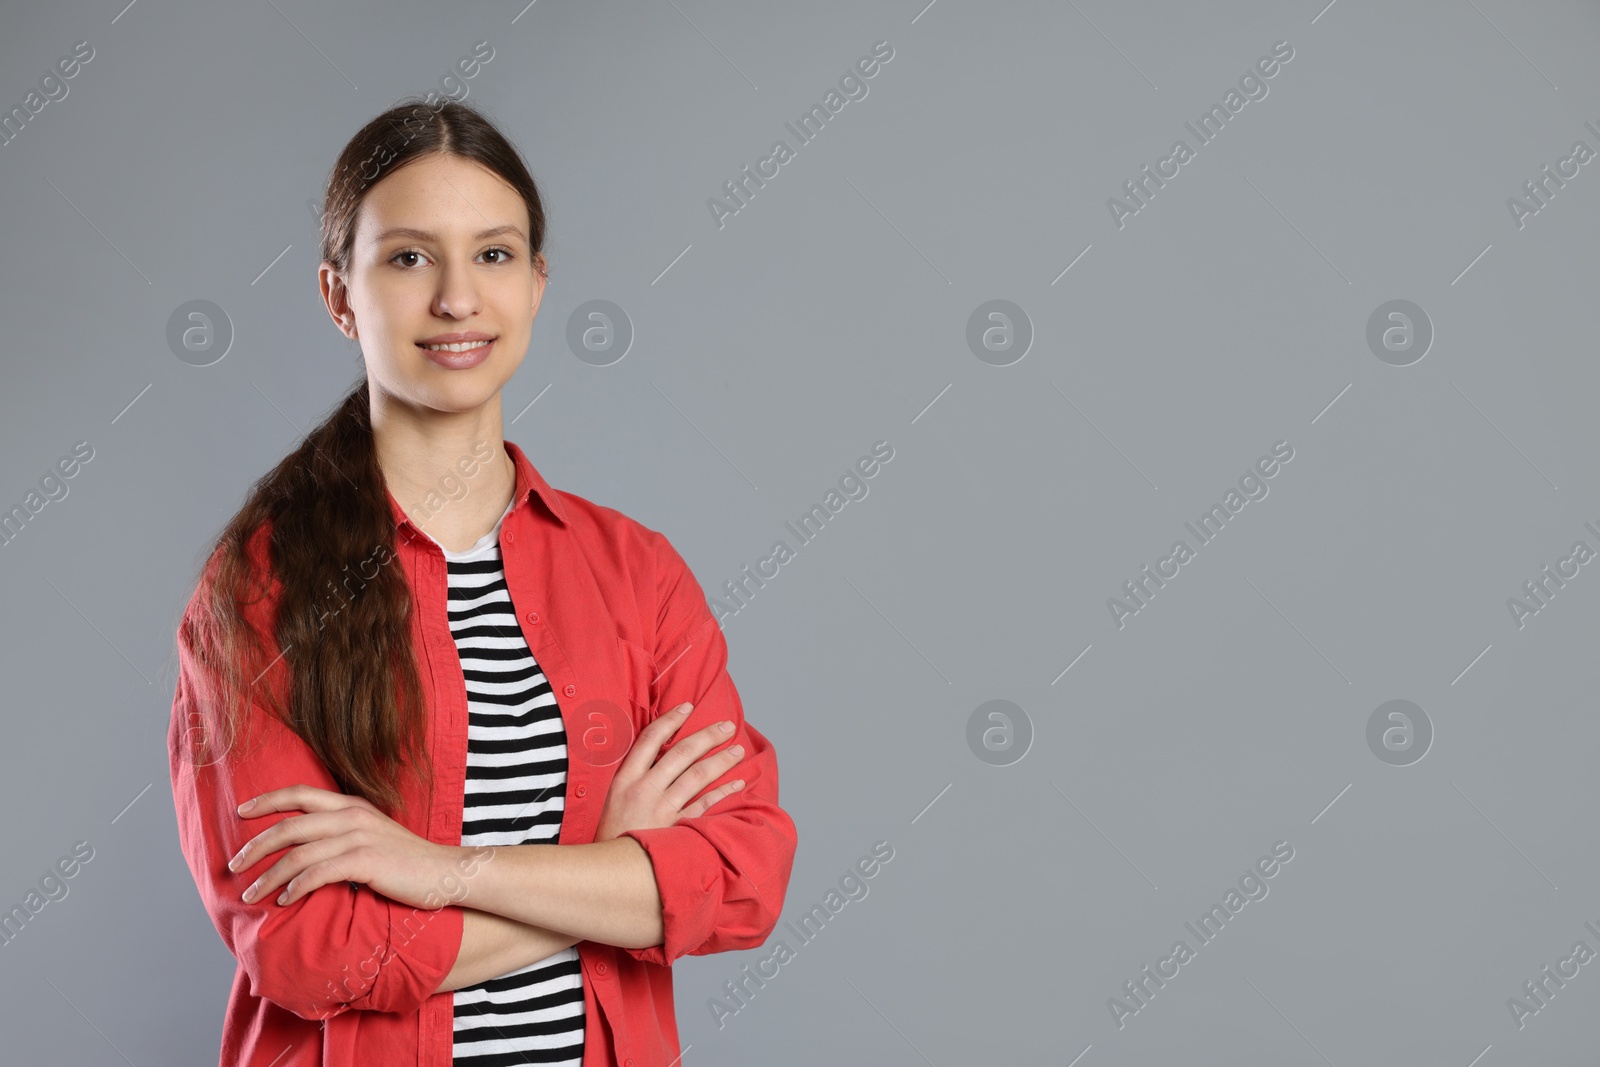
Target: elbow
(307,977)
(735,941)
(768,924)
(765,885)
(297,996)
(388,958)
(749,922)
(305,986)
(776,889)
(749,930)
(761,914)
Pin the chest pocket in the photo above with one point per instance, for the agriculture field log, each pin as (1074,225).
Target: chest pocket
(615,704)
(639,671)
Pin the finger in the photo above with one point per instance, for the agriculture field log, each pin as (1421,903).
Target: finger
(313,877)
(642,753)
(295,830)
(296,867)
(298,798)
(677,758)
(701,806)
(684,788)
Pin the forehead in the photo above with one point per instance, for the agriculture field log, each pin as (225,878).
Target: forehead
(449,197)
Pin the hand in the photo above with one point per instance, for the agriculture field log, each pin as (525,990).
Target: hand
(644,797)
(341,839)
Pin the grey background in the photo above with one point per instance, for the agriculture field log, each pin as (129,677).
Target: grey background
(830,313)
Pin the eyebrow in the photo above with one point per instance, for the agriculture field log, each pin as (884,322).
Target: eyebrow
(424,235)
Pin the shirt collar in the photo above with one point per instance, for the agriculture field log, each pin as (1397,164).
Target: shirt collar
(529,480)
(529,483)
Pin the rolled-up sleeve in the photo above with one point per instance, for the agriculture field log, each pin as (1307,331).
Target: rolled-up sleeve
(722,876)
(342,946)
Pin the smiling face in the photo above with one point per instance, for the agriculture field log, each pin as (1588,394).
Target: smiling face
(440,255)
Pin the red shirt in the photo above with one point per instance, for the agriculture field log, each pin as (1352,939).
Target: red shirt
(344,976)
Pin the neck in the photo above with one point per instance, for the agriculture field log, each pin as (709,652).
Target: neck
(437,470)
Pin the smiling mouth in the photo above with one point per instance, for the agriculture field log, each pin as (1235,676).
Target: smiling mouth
(460,346)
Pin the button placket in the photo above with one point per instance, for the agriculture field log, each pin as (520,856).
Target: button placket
(551,604)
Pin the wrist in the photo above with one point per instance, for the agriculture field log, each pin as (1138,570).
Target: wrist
(455,867)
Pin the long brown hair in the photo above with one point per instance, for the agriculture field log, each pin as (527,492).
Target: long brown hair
(315,536)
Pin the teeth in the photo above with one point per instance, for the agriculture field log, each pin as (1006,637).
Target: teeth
(464,346)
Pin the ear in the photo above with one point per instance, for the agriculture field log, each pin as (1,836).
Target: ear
(541,269)
(336,297)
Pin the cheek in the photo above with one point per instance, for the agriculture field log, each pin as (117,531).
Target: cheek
(512,312)
(514,300)
(382,307)
(387,325)
(509,352)
(391,315)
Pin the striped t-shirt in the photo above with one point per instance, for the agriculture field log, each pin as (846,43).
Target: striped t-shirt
(515,795)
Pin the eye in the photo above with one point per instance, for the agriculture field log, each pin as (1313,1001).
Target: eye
(505,255)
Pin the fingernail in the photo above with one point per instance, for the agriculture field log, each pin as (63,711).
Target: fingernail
(233,864)
(727,727)
(685,709)
(739,784)
(283,896)
(247,894)
(247,805)
(737,750)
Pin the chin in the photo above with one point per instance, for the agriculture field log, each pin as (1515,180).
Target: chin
(465,396)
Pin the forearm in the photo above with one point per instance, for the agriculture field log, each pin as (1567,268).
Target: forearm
(492,945)
(604,891)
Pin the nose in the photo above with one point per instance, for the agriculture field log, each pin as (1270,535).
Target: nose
(457,296)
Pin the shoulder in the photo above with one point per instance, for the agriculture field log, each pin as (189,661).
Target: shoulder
(625,553)
(614,533)
(260,588)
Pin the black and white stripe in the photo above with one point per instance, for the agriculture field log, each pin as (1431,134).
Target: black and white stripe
(515,795)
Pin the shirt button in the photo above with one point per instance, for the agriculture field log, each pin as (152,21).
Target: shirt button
(533,616)
(508,536)
(628,1062)
(571,690)
(601,969)
(581,791)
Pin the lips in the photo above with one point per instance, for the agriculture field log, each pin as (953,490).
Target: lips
(459,341)
(457,347)
(457,351)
